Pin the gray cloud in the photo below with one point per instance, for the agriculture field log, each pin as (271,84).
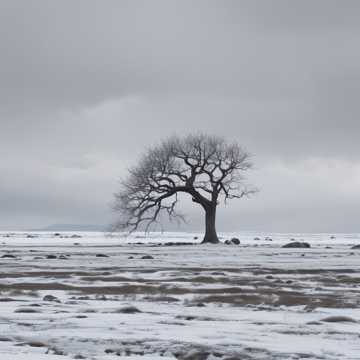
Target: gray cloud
(86,86)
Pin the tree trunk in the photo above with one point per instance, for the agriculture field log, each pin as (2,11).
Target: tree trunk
(210,229)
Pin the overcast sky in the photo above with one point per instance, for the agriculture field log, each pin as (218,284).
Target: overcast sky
(86,86)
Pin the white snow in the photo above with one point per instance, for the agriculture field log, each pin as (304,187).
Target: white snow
(274,298)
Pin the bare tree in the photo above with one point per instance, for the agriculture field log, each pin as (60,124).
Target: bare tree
(204,167)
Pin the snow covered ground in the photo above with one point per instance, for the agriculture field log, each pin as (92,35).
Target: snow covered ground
(252,301)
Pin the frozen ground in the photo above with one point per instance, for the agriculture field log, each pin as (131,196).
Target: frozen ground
(253,301)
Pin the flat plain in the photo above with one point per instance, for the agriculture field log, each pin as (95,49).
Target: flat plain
(165,296)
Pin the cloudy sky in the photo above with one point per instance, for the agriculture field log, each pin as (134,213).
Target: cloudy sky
(86,86)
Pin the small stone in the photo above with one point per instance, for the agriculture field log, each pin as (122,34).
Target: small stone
(4,339)
(36,344)
(147,257)
(313,323)
(8,256)
(26,311)
(51,298)
(297,244)
(127,310)
(235,241)
(338,318)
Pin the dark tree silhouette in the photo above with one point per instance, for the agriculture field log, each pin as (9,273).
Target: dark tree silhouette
(205,167)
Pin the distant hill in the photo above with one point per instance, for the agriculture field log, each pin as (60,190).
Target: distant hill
(74,227)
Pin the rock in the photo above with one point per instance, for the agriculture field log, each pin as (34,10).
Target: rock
(76,244)
(235,241)
(101,255)
(35,344)
(196,237)
(268,239)
(79,357)
(63,257)
(313,323)
(269,277)
(338,318)
(147,257)
(355,247)
(57,234)
(127,310)
(297,244)
(26,311)
(51,256)
(8,256)
(4,338)
(51,298)
(332,237)
(75,236)
(130,257)
(256,238)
